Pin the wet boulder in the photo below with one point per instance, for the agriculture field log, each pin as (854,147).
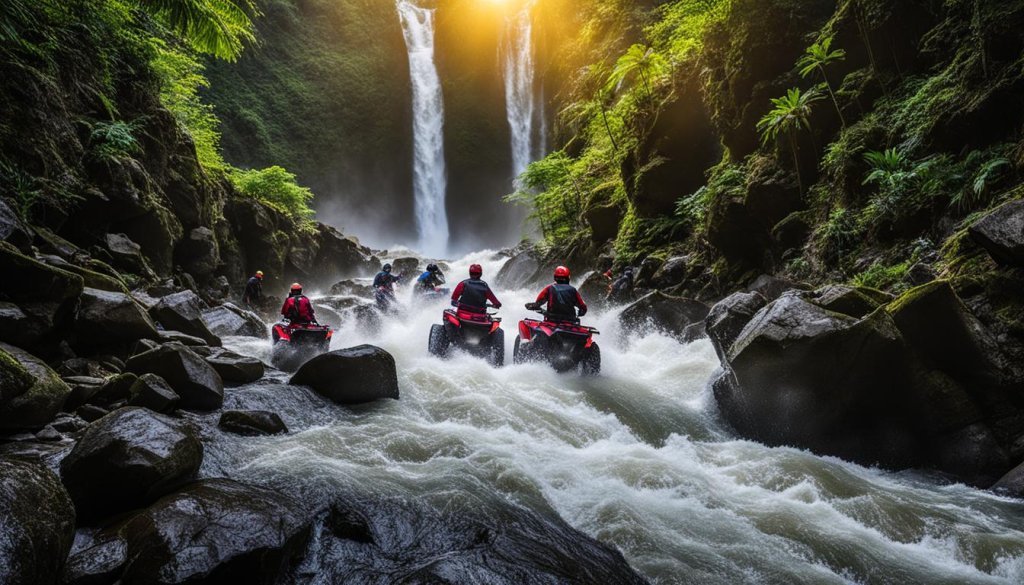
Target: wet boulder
(341,256)
(38,524)
(667,313)
(198,385)
(198,253)
(127,255)
(1001,233)
(115,389)
(409,267)
(236,368)
(351,376)
(801,375)
(152,392)
(520,270)
(848,300)
(672,272)
(251,423)
(128,459)
(728,317)
(27,327)
(772,287)
(183,311)
(111,317)
(31,394)
(594,289)
(1011,484)
(191,341)
(229,320)
(28,280)
(13,230)
(215,531)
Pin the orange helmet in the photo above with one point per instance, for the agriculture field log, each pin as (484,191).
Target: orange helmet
(259,274)
(296,288)
(476,270)
(561,272)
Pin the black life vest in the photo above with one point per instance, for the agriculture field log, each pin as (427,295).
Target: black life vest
(562,301)
(474,295)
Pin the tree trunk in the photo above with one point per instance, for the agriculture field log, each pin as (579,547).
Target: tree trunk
(835,102)
(608,128)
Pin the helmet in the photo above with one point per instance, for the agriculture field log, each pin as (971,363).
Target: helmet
(476,270)
(561,272)
(387,268)
(433,268)
(296,288)
(259,274)
(629,270)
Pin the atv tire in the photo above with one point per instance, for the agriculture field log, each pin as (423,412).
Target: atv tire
(591,364)
(496,356)
(439,343)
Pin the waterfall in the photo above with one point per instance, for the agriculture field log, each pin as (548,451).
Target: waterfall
(520,88)
(429,180)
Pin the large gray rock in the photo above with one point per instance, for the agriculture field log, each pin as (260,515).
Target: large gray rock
(37,527)
(1011,484)
(31,394)
(801,375)
(351,376)
(152,392)
(127,255)
(849,300)
(198,253)
(29,326)
(520,270)
(728,317)
(251,422)
(128,459)
(183,311)
(1001,233)
(236,368)
(670,314)
(772,287)
(210,531)
(229,320)
(408,266)
(195,381)
(112,317)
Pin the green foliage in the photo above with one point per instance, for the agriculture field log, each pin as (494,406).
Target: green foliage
(681,29)
(219,27)
(20,187)
(883,277)
(113,140)
(554,195)
(641,62)
(181,78)
(788,115)
(277,188)
(838,235)
(818,56)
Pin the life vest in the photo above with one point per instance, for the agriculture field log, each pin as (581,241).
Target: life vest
(298,309)
(474,295)
(562,301)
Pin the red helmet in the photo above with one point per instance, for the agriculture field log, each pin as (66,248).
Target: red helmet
(296,288)
(476,270)
(561,272)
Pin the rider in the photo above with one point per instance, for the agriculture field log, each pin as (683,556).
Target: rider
(561,298)
(622,286)
(472,294)
(297,308)
(385,279)
(254,289)
(430,280)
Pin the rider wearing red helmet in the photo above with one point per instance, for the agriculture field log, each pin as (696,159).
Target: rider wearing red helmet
(561,298)
(297,308)
(472,294)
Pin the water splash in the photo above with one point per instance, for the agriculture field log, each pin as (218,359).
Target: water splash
(520,88)
(429,175)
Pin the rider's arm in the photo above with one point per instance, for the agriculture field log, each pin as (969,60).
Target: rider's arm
(579,303)
(543,296)
(284,308)
(494,300)
(457,293)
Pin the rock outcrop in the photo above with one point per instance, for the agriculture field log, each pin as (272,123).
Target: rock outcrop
(183,311)
(1001,233)
(198,385)
(229,320)
(351,376)
(667,313)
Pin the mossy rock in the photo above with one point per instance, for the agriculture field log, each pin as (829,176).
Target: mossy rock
(38,395)
(27,279)
(96,280)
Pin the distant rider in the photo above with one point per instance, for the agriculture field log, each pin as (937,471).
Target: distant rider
(622,286)
(253,295)
(385,279)
(430,280)
(472,294)
(297,308)
(561,298)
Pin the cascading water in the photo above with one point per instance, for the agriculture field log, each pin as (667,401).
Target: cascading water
(520,88)
(429,179)
(637,458)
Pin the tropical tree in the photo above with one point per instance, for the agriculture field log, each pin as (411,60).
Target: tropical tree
(788,115)
(219,27)
(641,61)
(815,59)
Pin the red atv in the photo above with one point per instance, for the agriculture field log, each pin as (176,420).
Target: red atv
(477,333)
(297,343)
(566,345)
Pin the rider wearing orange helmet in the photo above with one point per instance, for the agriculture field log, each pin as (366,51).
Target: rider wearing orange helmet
(561,298)
(297,308)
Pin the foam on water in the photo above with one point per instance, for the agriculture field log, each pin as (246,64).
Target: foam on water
(639,459)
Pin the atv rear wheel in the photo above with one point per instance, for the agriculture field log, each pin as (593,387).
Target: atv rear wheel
(439,343)
(496,356)
(517,352)
(591,365)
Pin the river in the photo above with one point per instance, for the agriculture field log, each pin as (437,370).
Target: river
(637,458)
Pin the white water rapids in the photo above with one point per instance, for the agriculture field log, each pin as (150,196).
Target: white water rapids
(429,179)
(639,459)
